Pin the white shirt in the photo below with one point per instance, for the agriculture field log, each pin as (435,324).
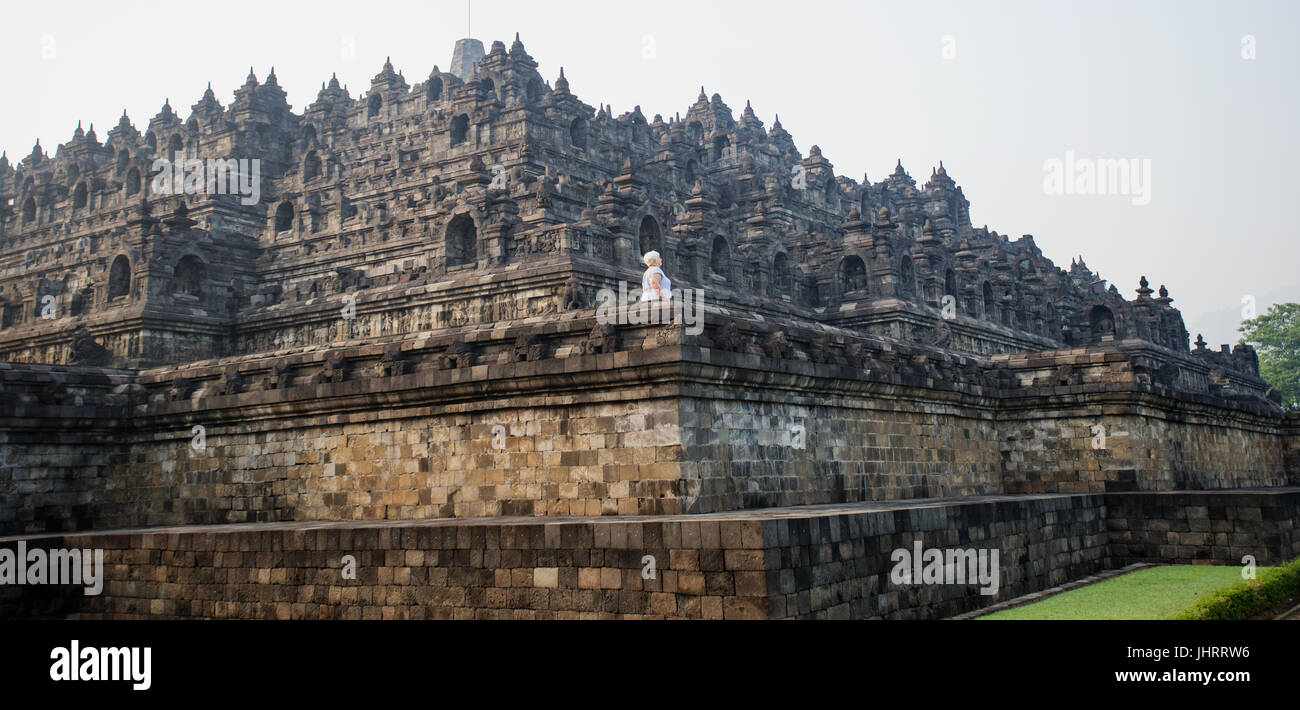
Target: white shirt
(665,285)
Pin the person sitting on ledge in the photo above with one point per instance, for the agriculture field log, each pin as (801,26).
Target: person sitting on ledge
(655,284)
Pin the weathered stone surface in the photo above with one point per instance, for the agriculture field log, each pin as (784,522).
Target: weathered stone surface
(832,562)
(504,199)
(401,328)
(585,435)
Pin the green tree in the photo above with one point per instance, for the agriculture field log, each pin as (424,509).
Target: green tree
(1276,338)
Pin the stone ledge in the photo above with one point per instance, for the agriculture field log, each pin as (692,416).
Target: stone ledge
(827,561)
(1259,495)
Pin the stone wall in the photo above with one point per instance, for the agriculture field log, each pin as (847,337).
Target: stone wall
(819,562)
(403,430)
(1292,455)
(55,483)
(758,432)
(505,568)
(749,449)
(839,566)
(576,459)
(1188,528)
(1138,448)
(460,449)
(1087,421)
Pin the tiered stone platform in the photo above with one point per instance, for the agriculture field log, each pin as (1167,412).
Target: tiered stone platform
(398,353)
(829,561)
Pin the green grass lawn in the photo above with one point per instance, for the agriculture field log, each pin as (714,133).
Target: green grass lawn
(1151,593)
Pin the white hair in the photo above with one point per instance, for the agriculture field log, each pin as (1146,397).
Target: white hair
(651,256)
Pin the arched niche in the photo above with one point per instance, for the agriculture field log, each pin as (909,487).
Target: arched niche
(853,276)
(720,258)
(188,278)
(1101,321)
(461,241)
(284,217)
(720,146)
(119,278)
(311,166)
(578,133)
(131,183)
(906,279)
(648,235)
(459,129)
(781,275)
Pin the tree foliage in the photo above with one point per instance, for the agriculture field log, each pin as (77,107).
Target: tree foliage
(1276,338)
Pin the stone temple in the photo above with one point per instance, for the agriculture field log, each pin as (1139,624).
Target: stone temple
(394,353)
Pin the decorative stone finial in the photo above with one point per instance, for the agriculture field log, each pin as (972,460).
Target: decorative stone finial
(465,57)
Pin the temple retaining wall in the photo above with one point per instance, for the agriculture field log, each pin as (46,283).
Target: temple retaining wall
(811,562)
(398,431)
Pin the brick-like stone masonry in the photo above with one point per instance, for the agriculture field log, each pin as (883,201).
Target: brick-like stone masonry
(812,562)
(173,360)
(664,430)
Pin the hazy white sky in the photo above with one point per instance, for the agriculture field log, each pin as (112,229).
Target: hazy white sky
(993,89)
